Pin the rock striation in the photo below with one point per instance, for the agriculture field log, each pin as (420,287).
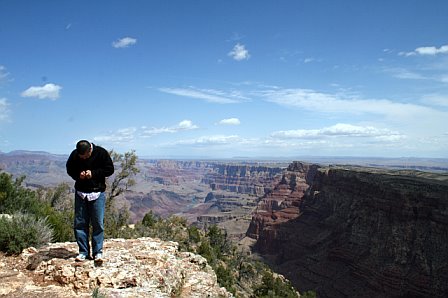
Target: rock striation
(357,232)
(143,267)
(245,179)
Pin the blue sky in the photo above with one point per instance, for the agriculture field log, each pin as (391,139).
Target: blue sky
(221,79)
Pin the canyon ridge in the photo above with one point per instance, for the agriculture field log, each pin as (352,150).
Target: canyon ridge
(376,229)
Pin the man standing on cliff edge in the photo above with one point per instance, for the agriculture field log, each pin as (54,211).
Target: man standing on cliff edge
(89,165)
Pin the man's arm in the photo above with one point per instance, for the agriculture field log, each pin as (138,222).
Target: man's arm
(71,169)
(107,166)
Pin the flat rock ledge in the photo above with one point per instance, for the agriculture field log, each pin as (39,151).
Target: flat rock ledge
(143,267)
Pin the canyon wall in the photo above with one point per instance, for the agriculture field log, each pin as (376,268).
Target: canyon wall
(247,179)
(357,232)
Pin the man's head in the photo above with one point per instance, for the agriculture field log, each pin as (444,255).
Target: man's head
(84,149)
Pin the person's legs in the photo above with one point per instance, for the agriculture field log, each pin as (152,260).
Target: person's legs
(81,225)
(97,219)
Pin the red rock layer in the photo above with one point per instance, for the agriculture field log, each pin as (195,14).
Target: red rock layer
(357,232)
(246,179)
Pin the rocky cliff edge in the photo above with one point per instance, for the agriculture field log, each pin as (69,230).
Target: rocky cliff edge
(356,231)
(143,267)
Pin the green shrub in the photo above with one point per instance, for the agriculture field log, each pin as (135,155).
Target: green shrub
(273,287)
(149,220)
(23,231)
(193,234)
(15,198)
(225,278)
(62,224)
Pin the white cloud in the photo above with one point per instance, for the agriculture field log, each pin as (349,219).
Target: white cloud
(181,126)
(124,42)
(210,140)
(120,136)
(310,59)
(345,104)
(131,134)
(426,51)
(4,110)
(429,70)
(50,91)
(186,125)
(435,99)
(239,52)
(209,95)
(402,73)
(338,130)
(230,121)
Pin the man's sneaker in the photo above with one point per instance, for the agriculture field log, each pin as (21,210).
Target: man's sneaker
(81,258)
(98,258)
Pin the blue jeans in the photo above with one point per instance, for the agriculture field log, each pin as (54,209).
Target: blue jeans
(86,213)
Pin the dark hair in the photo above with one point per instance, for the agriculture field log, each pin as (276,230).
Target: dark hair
(82,147)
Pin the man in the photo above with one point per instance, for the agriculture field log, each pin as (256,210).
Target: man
(89,165)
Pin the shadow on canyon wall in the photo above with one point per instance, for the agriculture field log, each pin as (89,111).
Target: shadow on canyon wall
(357,232)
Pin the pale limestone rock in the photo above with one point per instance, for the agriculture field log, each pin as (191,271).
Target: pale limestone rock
(143,267)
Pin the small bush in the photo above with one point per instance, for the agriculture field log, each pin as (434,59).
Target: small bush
(225,278)
(23,231)
(273,287)
(149,220)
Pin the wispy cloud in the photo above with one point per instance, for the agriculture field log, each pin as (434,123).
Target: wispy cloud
(50,91)
(338,130)
(230,121)
(130,134)
(338,136)
(402,73)
(124,42)
(239,52)
(436,100)
(311,59)
(120,136)
(209,95)
(431,51)
(210,140)
(343,103)
(4,109)
(181,126)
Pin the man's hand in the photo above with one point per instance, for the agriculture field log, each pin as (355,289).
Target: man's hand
(88,174)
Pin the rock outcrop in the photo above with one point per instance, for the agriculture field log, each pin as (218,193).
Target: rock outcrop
(143,267)
(282,204)
(357,232)
(245,179)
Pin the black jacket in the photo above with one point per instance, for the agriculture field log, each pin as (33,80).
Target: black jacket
(99,163)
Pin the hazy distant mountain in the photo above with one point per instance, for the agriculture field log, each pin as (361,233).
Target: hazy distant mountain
(40,168)
(48,169)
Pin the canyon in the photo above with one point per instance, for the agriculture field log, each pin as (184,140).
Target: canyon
(340,230)
(356,232)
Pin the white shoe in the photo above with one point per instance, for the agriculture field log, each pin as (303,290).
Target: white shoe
(81,258)
(98,258)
